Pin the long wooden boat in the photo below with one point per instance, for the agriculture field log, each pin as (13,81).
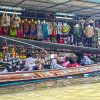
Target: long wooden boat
(48,78)
(19,81)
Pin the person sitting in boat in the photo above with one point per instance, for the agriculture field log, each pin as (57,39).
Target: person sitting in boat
(53,64)
(30,63)
(83,59)
(72,63)
(66,62)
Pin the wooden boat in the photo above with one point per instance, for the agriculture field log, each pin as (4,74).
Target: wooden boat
(19,81)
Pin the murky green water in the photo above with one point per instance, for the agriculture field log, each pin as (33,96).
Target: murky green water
(76,92)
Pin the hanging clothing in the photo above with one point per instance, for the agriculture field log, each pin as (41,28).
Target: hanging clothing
(59,28)
(45,30)
(78,31)
(13,31)
(26,28)
(39,31)
(5,30)
(66,29)
(33,29)
(20,33)
(1,31)
(54,32)
(50,28)
(89,31)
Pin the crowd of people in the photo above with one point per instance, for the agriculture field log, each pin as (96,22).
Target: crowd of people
(15,64)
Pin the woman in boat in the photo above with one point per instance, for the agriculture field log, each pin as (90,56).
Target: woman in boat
(83,59)
(66,62)
(72,63)
(30,63)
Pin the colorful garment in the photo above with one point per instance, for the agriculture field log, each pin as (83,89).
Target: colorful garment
(89,31)
(59,28)
(13,31)
(86,61)
(1,31)
(39,31)
(33,29)
(66,29)
(45,30)
(26,28)
(50,28)
(78,31)
(5,30)
(20,31)
(54,32)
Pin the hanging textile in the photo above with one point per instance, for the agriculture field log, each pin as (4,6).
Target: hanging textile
(89,31)
(13,31)
(33,29)
(20,32)
(39,30)
(59,28)
(45,30)
(78,31)
(1,31)
(66,29)
(26,28)
(5,20)
(50,28)
(15,20)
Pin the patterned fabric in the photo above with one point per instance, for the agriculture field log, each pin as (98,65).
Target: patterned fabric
(66,29)
(78,31)
(89,31)
(86,61)
(33,29)
(39,31)
(13,31)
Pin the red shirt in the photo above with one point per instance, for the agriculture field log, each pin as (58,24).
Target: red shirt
(73,65)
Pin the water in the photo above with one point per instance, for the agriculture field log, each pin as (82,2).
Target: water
(76,92)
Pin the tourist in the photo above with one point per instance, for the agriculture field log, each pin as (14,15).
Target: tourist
(66,62)
(30,63)
(83,59)
(72,63)
(54,64)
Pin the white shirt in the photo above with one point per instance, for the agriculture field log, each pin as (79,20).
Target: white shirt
(30,63)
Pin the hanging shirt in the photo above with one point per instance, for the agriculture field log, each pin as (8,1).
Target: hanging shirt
(1,31)
(54,32)
(66,29)
(50,28)
(78,31)
(20,32)
(89,31)
(39,31)
(45,30)
(13,31)
(5,30)
(26,28)
(33,29)
(59,28)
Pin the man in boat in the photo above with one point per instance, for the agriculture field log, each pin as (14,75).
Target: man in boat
(30,63)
